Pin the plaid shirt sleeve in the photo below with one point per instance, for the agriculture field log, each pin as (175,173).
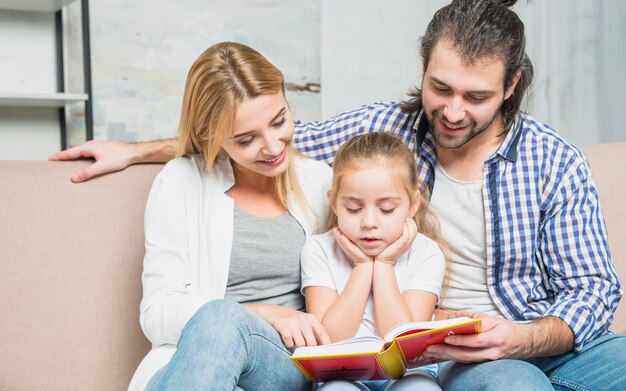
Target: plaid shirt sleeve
(575,249)
(321,140)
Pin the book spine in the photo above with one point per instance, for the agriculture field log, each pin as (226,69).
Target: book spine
(391,362)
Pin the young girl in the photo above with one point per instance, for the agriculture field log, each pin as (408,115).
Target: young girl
(227,220)
(379,264)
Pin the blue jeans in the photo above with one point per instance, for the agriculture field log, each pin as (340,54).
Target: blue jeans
(226,347)
(414,380)
(599,366)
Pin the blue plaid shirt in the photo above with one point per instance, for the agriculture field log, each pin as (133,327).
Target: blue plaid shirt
(547,250)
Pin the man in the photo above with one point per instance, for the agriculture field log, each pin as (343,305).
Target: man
(516,203)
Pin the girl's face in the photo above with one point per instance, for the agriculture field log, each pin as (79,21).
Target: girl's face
(372,206)
(262,132)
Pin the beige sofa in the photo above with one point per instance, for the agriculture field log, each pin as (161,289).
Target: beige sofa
(71,260)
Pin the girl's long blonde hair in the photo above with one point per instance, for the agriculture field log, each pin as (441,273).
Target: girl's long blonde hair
(385,149)
(219,80)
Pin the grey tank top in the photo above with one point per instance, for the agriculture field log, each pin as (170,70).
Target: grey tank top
(265,260)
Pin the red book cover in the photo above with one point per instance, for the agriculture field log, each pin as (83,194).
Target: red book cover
(413,344)
(371,358)
(357,367)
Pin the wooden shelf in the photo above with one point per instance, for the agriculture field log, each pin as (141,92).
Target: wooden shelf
(59,99)
(34,5)
(53,99)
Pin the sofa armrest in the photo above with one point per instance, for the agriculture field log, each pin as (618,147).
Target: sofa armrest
(608,165)
(71,264)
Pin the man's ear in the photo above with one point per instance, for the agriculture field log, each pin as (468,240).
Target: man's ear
(512,85)
(415,203)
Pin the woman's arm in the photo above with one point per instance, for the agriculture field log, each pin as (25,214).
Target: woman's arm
(296,328)
(169,297)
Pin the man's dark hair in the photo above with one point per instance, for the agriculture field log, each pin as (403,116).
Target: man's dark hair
(480,29)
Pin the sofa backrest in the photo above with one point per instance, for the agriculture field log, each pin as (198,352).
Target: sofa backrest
(608,166)
(70,260)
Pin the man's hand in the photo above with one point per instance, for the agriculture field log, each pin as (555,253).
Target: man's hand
(500,338)
(441,314)
(296,328)
(391,254)
(110,156)
(114,156)
(350,248)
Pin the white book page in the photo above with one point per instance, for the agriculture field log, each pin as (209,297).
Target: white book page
(350,345)
(435,324)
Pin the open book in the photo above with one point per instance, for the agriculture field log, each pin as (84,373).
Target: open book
(372,358)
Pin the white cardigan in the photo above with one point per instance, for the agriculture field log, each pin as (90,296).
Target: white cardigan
(189,234)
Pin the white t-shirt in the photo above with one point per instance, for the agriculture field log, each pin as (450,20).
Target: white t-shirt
(459,206)
(325,264)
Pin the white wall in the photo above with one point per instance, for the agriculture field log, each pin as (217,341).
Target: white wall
(143,49)
(360,50)
(27,64)
(579,54)
(141,53)
(370,50)
(370,53)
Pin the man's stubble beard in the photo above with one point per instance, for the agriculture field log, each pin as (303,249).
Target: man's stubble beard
(453,142)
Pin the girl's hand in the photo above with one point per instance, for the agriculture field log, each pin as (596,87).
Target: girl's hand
(352,250)
(391,254)
(296,328)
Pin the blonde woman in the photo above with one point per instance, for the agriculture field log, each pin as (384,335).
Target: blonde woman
(224,224)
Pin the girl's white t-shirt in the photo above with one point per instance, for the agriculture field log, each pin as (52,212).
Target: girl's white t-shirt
(324,264)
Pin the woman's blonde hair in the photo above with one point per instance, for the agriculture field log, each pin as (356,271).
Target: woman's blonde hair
(388,150)
(219,80)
